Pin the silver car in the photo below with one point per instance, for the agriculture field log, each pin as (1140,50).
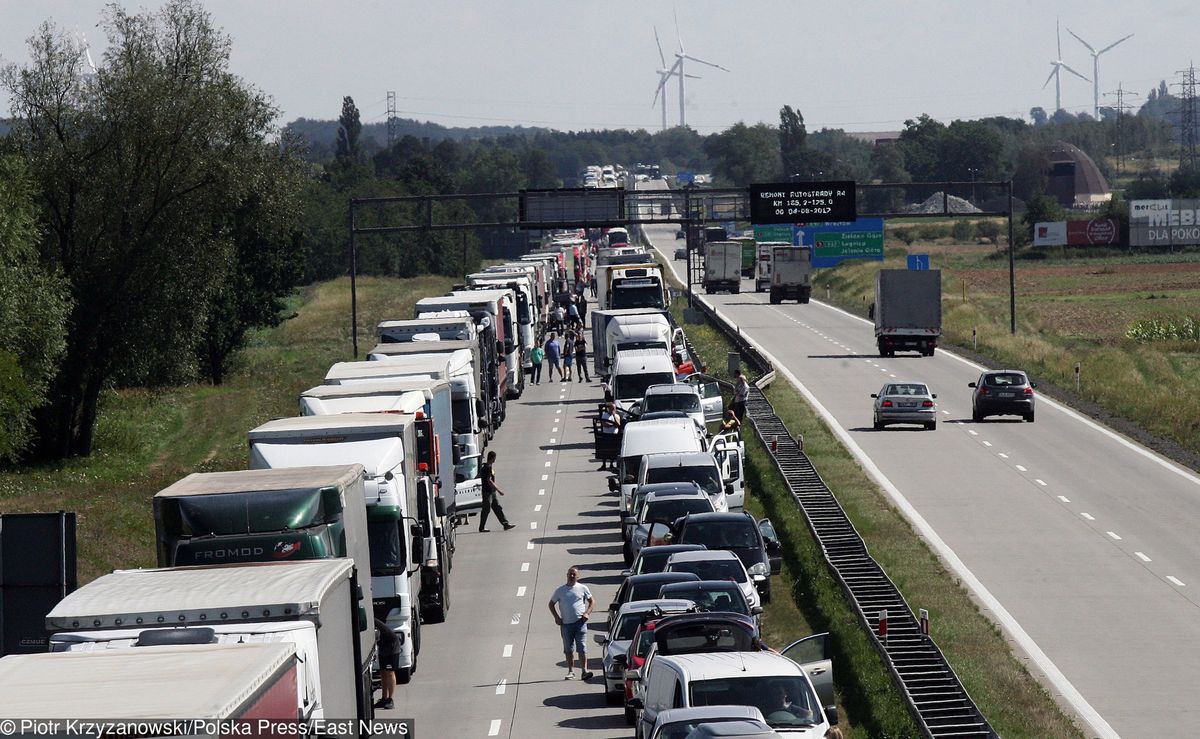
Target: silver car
(905,402)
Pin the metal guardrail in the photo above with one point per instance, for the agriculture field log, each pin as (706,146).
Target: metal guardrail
(935,696)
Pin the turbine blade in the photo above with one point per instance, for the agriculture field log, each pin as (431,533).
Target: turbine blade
(678,38)
(694,59)
(1106,48)
(659,45)
(1053,72)
(1058,39)
(693,76)
(1072,71)
(1089,46)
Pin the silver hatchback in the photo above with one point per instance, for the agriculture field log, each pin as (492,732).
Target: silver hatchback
(905,402)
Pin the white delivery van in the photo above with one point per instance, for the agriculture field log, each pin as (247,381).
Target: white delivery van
(701,468)
(651,437)
(635,370)
(774,684)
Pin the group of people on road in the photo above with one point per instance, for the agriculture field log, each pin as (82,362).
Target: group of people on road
(561,356)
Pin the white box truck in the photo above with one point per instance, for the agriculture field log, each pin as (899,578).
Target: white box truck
(723,267)
(209,684)
(791,273)
(312,605)
(764,254)
(625,329)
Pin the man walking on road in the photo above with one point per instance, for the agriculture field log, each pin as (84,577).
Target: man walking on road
(575,603)
(741,393)
(487,474)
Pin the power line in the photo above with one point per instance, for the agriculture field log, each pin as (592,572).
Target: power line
(393,124)
(1121,106)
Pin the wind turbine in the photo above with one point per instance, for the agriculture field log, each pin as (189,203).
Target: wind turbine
(677,67)
(1096,69)
(664,74)
(1056,73)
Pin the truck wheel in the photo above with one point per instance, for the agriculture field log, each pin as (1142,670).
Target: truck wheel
(630,716)
(437,611)
(737,290)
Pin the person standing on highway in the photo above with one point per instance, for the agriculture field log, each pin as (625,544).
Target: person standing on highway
(487,474)
(536,355)
(610,423)
(592,283)
(568,354)
(581,358)
(741,393)
(573,319)
(560,316)
(389,654)
(553,351)
(575,602)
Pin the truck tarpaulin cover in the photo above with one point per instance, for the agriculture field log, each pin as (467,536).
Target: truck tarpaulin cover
(1093,232)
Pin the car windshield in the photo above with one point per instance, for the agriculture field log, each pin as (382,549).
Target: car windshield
(650,562)
(1005,379)
(633,387)
(785,700)
(627,296)
(645,590)
(691,638)
(713,569)
(461,411)
(720,534)
(640,495)
(669,510)
(706,476)
(905,389)
(686,402)
(720,598)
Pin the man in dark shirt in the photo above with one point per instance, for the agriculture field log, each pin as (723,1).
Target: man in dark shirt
(487,474)
(389,653)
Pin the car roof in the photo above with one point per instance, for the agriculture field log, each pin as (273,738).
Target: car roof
(679,459)
(673,495)
(677,388)
(741,729)
(672,715)
(671,548)
(705,555)
(663,577)
(677,486)
(705,617)
(730,516)
(699,585)
(715,665)
(639,606)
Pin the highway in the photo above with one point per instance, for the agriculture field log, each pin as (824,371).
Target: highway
(1078,542)
(495,667)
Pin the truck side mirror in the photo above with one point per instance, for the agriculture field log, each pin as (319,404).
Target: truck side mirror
(612,484)
(500,348)
(362,619)
(439,506)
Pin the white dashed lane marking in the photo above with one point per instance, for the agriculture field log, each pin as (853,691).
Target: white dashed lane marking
(1040,482)
(501,686)
(494,729)
(1088,516)
(1002,455)
(1064,499)
(1176,581)
(1114,535)
(507,650)
(1021,468)
(1142,557)
(521,592)
(524,567)
(537,508)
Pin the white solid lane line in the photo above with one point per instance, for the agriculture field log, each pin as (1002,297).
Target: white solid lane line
(1142,557)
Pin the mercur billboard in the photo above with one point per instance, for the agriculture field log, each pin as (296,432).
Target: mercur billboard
(1164,222)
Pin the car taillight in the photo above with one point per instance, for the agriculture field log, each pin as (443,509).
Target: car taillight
(1029,391)
(926,403)
(983,390)
(886,404)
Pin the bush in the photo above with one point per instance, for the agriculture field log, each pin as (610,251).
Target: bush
(1173,328)
(989,231)
(963,231)
(907,235)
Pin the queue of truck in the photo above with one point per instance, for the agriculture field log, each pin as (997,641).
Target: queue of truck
(347,514)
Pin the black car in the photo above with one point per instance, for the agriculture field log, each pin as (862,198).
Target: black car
(720,596)
(645,587)
(628,523)
(1002,393)
(753,542)
(654,559)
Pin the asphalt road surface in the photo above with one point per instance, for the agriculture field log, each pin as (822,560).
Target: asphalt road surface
(1080,543)
(495,667)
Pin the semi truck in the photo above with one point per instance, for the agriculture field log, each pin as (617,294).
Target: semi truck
(749,254)
(521,286)
(246,683)
(315,606)
(490,310)
(490,370)
(762,264)
(723,267)
(791,273)
(907,310)
(637,286)
(410,395)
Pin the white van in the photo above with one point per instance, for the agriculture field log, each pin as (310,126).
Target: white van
(651,437)
(698,467)
(774,684)
(635,370)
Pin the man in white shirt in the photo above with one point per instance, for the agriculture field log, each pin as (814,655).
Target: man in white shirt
(574,607)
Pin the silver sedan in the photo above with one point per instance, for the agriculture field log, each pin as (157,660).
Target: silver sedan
(905,402)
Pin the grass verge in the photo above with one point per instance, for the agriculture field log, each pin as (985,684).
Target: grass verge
(1015,703)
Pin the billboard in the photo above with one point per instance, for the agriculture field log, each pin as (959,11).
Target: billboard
(1093,232)
(779,232)
(572,207)
(834,242)
(1164,222)
(803,202)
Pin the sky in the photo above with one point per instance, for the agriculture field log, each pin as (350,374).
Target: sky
(859,65)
